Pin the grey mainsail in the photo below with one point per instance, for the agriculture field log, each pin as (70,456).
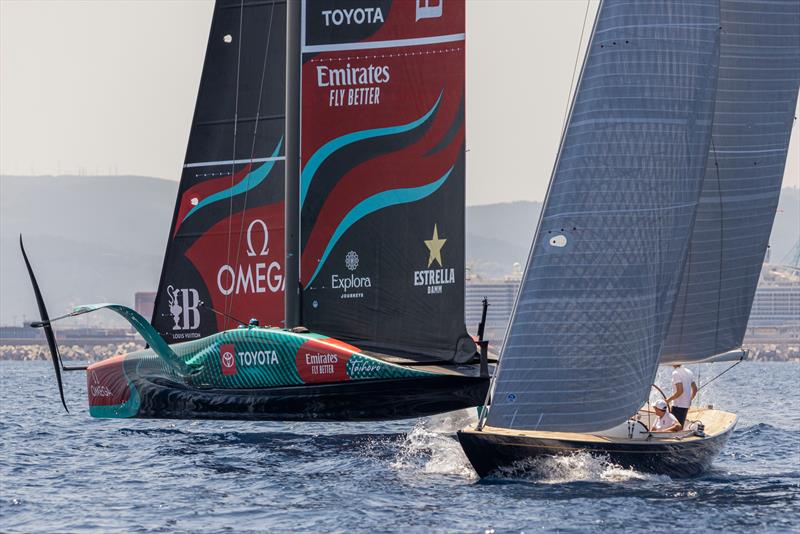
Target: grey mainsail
(759,73)
(604,270)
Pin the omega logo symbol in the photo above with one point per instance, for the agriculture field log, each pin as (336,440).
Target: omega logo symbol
(265,246)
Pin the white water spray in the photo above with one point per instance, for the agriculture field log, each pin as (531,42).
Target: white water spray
(579,466)
(431,447)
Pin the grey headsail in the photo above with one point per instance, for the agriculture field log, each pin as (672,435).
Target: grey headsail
(584,340)
(759,73)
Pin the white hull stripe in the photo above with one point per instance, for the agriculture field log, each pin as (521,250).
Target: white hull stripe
(230,162)
(341,47)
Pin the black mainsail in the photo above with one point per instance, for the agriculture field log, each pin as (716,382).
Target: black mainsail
(759,74)
(605,266)
(382,183)
(381,190)
(225,248)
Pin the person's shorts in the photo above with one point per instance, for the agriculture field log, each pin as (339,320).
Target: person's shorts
(680,414)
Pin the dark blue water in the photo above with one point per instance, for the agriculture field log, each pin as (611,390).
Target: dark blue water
(72,473)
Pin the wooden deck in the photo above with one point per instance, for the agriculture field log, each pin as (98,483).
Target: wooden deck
(716,422)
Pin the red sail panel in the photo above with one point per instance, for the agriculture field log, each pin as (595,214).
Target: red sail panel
(382,181)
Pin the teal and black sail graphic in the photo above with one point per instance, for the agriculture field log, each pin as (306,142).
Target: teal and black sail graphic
(605,266)
(225,248)
(382,181)
(759,74)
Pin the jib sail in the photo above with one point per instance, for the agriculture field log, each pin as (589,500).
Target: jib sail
(382,180)
(759,73)
(226,244)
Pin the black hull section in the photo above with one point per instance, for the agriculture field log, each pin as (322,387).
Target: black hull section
(488,452)
(357,400)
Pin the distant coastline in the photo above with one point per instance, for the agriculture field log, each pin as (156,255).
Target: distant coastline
(92,352)
(74,352)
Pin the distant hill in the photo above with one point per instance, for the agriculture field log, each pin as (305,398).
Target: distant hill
(90,239)
(97,238)
(499,235)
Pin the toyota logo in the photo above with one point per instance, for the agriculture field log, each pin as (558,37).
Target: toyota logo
(228,360)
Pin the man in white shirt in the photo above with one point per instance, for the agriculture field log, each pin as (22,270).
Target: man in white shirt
(666,422)
(684,390)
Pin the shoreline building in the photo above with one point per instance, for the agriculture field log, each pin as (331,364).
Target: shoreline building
(144,303)
(774,318)
(776,307)
(501,295)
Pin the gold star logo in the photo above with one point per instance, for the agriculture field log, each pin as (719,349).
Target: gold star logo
(435,245)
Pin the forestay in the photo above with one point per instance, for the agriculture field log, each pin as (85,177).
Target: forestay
(225,246)
(757,89)
(584,340)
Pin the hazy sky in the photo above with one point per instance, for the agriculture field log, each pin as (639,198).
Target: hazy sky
(99,87)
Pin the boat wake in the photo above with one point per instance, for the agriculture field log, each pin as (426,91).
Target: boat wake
(431,448)
(576,467)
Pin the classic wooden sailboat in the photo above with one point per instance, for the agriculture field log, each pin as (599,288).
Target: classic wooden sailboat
(350,245)
(650,243)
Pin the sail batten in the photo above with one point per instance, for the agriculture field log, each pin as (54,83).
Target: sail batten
(759,75)
(583,343)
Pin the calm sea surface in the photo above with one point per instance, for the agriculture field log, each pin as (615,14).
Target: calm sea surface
(69,473)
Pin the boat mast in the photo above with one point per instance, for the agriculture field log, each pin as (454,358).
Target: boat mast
(292,195)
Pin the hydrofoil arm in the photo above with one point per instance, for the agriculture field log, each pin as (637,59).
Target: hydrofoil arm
(140,324)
